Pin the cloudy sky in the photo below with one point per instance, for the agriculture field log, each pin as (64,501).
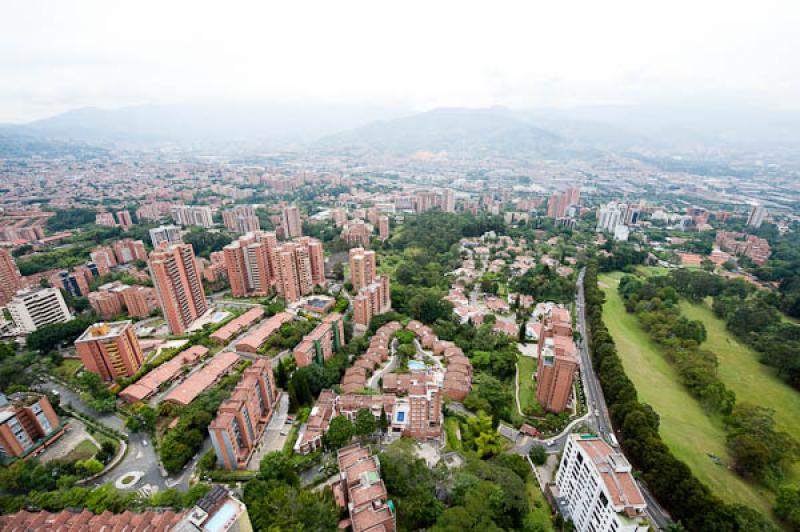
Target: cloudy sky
(60,55)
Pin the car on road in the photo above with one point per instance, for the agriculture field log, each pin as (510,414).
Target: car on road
(144,442)
(284,433)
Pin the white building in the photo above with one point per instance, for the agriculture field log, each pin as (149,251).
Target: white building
(757,215)
(621,233)
(165,233)
(608,218)
(31,309)
(199,215)
(596,488)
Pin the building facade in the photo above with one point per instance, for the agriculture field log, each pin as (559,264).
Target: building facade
(290,222)
(171,234)
(178,286)
(110,350)
(597,485)
(557,363)
(197,215)
(363,268)
(10,278)
(34,308)
(26,421)
(321,343)
(242,419)
(373,299)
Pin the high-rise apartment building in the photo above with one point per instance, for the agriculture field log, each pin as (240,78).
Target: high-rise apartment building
(124,219)
(300,265)
(129,250)
(357,232)
(37,307)
(104,258)
(111,350)
(321,343)
(598,488)
(243,418)
(178,286)
(76,283)
(105,218)
(757,215)
(290,221)
(10,278)
(241,219)
(560,202)
(608,218)
(171,234)
(373,299)
(557,363)
(140,301)
(363,268)
(449,200)
(106,303)
(198,215)
(250,263)
(383,228)
(26,421)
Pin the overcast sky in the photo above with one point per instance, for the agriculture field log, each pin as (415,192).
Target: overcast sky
(59,55)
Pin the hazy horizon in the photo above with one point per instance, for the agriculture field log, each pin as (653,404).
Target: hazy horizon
(71,55)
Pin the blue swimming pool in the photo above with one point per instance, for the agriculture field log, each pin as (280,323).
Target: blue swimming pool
(415,364)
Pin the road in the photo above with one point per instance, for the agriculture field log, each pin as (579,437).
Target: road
(595,398)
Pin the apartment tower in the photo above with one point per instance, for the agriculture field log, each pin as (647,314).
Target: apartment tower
(178,286)
(111,350)
(10,278)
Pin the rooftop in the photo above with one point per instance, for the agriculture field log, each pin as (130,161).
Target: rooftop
(104,331)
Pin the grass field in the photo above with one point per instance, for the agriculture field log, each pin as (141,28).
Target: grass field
(452,433)
(85,449)
(741,371)
(688,431)
(527,386)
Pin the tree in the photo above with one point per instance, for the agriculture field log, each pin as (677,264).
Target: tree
(277,466)
(787,505)
(383,422)
(273,505)
(340,432)
(538,454)
(365,423)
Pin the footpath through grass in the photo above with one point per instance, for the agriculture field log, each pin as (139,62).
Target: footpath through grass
(741,371)
(685,427)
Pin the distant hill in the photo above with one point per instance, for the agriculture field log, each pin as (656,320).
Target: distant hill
(452,130)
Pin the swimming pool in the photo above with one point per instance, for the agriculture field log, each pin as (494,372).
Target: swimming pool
(416,364)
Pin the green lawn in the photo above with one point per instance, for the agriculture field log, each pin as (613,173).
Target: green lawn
(688,431)
(67,369)
(451,430)
(84,450)
(741,371)
(527,386)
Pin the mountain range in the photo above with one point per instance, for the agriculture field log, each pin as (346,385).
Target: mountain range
(582,131)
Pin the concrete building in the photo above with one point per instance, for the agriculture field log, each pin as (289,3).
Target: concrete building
(383,228)
(361,490)
(128,250)
(757,216)
(321,343)
(27,421)
(290,222)
(608,218)
(10,278)
(560,202)
(242,419)
(373,299)
(557,363)
(171,234)
(37,307)
(178,286)
(76,282)
(197,215)
(363,268)
(250,264)
(111,350)
(241,219)
(597,486)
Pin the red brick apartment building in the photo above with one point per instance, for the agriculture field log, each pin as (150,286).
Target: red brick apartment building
(242,419)
(558,362)
(26,421)
(361,490)
(321,343)
(111,350)
(177,283)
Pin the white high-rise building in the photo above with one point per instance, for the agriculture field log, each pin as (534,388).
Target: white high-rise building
(34,308)
(199,215)
(608,218)
(597,488)
(170,234)
(757,215)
